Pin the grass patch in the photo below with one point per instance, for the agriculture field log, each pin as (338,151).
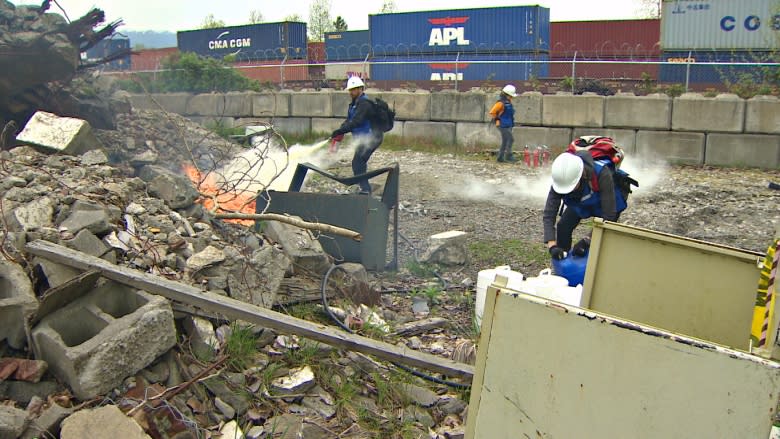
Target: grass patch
(240,347)
(420,269)
(511,252)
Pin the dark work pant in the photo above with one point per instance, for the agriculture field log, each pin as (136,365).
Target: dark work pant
(507,139)
(366,145)
(565,228)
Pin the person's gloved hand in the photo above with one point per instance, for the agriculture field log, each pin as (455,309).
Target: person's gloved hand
(557,253)
(581,247)
(337,133)
(337,137)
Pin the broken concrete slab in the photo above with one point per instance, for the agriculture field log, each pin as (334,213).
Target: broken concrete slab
(13,422)
(48,423)
(23,392)
(203,339)
(289,426)
(86,242)
(299,245)
(238,400)
(96,221)
(258,280)
(33,215)
(107,422)
(17,303)
(176,190)
(94,157)
(448,248)
(419,395)
(298,381)
(206,258)
(59,296)
(101,338)
(321,402)
(53,133)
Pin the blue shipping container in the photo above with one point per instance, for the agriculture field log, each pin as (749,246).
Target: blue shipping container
(486,30)
(106,48)
(715,74)
(347,46)
(473,67)
(263,41)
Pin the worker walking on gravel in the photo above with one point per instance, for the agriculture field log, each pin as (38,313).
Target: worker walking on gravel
(367,137)
(587,189)
(503,116)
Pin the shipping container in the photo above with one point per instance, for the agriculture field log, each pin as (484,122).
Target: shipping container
(485,30)
(720,24)
(263,41)
(151,59)
(106,48)
(508,67)
(621,69)
(274,71)
(342,71)
(609,38)
(347,46)
(715,74)
(315,52)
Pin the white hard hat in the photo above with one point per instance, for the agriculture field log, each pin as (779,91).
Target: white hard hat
(566,172)
(354,82)
(510,90)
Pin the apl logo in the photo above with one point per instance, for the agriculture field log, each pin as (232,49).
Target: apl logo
(448,32)
(449,72)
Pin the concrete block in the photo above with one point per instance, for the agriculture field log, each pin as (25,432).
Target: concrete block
(236,104)
(98,340)
(312,104)
(682,148)
(52,273)
(17,303)
(271,104)
(176,190)
(694,112)
(293,125)
(437,131)
(34,215)
(171,102)
(212,121)
(567,110)
(410,106)
(761,151)
(325,126)
(107,422)
(475,135)
(203,339)
(555,138)
(458,107)
(640,112)
(13,421)
(398,129)
(340,100)
(206,104)
(763,115)
(528,108)
(142,102)
(303,250)
(95,221)
(626,139)
(53,133)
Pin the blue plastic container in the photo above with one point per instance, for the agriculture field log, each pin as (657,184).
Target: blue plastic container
(572,268)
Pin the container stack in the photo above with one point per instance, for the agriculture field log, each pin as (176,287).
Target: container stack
(723,31)
(105,48)
(464,44)
(346,54)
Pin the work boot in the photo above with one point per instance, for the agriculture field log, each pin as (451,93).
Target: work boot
(510,158)
(500,158)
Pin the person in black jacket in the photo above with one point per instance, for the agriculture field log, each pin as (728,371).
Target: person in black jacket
(367,137)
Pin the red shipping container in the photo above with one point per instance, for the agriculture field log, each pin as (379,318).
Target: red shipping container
(633,39)
(150,59)
(603,71)
(316,52)
(272,71)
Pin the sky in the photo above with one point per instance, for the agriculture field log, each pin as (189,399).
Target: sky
(174,15)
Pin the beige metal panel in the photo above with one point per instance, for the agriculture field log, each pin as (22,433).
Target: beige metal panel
(681,285)
(343,71)
(553,371)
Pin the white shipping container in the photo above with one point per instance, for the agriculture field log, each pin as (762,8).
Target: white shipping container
(720,24)
(340,72)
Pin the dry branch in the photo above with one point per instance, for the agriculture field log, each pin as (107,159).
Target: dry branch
(320,227)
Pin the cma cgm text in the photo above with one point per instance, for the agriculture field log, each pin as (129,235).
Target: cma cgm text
(230,44)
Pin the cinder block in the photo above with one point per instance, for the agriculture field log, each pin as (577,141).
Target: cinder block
(640,112)
(172,102)
(98,340)
(236,104)
(555,138)
(625,138)
(763,115)
(743,150)
(271,104)
(410,106)
(293,125)
(205,104)
(693,112)
(437,131)
(683,148)
(458,107)
(312,104)
(325,126)
(567,110)
(480,134)
(17,303)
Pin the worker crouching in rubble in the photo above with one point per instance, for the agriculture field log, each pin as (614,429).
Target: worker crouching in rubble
(368,139)
(587,189)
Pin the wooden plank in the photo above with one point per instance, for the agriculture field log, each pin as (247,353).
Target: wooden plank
(250,313)
(420,326)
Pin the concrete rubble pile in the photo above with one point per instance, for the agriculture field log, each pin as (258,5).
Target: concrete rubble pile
(82,356)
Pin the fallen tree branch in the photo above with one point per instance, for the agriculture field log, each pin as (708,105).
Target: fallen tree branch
(320,227)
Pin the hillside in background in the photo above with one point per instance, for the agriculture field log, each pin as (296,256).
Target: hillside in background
(151,39)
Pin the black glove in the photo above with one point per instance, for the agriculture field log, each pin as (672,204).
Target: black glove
(557,252)
(581,247)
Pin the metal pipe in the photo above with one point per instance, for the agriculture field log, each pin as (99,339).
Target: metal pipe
(688,70)
(573,71)
(457,58)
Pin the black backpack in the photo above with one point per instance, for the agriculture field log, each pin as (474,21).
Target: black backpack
(383,117)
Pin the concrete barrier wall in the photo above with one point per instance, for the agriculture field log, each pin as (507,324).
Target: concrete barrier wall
(692,129)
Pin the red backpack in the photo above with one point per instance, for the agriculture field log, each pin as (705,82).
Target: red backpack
(600,148)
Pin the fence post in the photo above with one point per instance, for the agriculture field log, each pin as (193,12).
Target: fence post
(457,58)
(573,71)
(688,70)
(281,70)
(365,67)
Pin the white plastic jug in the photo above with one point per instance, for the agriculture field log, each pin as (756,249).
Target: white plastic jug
(485,278)
(544,284)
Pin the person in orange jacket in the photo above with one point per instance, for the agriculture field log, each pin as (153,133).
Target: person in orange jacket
(503,115)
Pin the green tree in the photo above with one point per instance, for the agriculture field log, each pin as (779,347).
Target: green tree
(319,19)
(210,22)
(188,72)
(340,25)
(388,7)
(255,16)
(293,17)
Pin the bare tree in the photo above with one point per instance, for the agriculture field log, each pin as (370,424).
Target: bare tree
(340,25)
(388,7)
(319,19)
(255,16)
(210,22)
(649,8)
(293,17)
